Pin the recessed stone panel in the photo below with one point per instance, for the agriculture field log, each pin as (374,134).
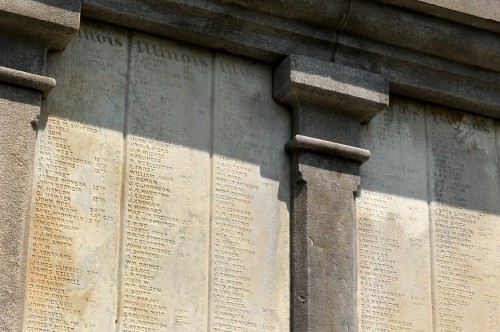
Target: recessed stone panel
(394,286)
(465,221)
(161,200)
(167,188)
(72,269)
(249,281)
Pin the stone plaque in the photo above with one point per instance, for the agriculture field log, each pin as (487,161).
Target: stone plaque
(465,221)
(72,272)
(428,222)
(162,191)
(250,190)
(394,288)
(167,196)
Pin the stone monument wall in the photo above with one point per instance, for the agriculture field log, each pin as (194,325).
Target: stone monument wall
(428,221)
(161,195)
(249,165)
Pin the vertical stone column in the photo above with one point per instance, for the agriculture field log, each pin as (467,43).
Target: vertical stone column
(329,103)
(27,30)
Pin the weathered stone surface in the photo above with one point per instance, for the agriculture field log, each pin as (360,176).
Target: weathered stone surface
(324,13)
(51,23)
(421,55)
(450,40)
(328,104)
(216,25)
(250,267)
(18,108)
(323,243)
(159,201)
(428,221)
(464,215)
(305,143)
(423,77)
(75,215)
(31,81)
(483,14)
(167,184)
(392,224)
(487,9)
(318,84)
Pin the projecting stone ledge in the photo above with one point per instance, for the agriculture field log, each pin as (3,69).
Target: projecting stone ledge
(353,92)
(304,143)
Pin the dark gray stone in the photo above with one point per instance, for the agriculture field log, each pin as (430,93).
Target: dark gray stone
(425,34)
(345,90)
(424,77)
(51,23)
(328,103)
(323,244)
(20,78)
(217,25)
(18,110)
(325,13)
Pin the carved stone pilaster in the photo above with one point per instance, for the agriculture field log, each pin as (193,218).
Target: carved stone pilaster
(329,102)
(27,30)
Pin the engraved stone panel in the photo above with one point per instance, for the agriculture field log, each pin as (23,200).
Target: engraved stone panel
(394,288)
(465,221)
(249,279)
(162,191)
(71,280)
(446,160)
(167,196)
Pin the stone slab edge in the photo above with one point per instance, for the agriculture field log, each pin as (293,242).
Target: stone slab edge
(425,34)
(459,12)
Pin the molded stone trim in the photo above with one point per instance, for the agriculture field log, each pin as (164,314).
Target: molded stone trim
(36,82)
(305,143)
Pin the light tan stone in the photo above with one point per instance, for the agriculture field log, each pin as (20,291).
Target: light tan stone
(249,282)
(162,191)
(167,179)
(394,287)
(465,221)
(75,216)
(434,175)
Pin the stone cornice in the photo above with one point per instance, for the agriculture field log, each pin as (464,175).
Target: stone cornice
(217,25)
(425,34)
(435,59)
(473,13)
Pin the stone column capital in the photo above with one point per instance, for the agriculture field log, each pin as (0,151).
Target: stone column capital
(305,81)
(50,23)
(329,102)
(28,29)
